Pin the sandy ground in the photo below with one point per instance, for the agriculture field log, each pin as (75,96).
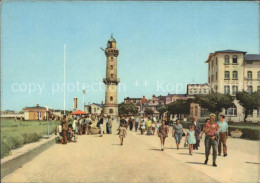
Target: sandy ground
(102,159)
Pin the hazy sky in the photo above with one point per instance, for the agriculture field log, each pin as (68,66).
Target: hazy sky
(160,45)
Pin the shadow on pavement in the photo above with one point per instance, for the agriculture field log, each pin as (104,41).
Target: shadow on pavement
(174,148)
(196,163)
(185,153)
(253,163)
(198,152)
(155,149)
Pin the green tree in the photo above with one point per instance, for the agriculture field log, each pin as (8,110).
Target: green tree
(148,111)
(214,102)
(249,101)
(179,107)
(161,110)
(127,108)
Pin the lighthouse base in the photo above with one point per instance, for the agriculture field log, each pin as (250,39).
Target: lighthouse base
(111,110)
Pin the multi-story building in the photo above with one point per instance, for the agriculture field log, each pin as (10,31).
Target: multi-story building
(194,89)
(136,101)
(198,89)
(230,71)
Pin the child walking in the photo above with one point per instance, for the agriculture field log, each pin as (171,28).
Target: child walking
(122,133)
(190,138)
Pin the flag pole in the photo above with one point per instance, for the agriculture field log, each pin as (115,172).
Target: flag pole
(64,78)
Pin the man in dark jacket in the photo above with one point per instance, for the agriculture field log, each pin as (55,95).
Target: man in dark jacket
(122,121)
(197,129)
(101,122)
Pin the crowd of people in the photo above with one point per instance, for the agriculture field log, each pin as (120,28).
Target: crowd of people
(216,133)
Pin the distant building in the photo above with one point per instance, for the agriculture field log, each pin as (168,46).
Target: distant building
(230,71)
(194,89)
(35,113)
(173,97)
(94,108)
(137,101)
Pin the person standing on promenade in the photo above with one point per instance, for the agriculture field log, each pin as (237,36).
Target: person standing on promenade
(190,138)
(64,126)
(163,133)
(177,131)
(223,135)
(211,129)
(142,126)
(197,132)
(109,125)
(149,126)
(137,121)
(75,125)
(130,122)
(87,121)
(101,126)
(123,121)
(122,133)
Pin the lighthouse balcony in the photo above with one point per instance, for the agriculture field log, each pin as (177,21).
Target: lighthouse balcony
(111,51)
(111,80)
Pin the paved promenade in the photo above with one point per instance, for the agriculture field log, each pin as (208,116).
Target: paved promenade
(95,159)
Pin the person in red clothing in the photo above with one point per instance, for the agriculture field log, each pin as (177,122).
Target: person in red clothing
(211,129)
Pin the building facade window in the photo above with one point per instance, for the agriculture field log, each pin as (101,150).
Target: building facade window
(111,98)
(216,60)
(258,111)
(111,67)
(234,75)
(234,59)
(111,58)
(249,75)
(216,76)
(234,90)
(250,89)
(258,88)
(258,75)
(111,111)
(231,111)
(227,89)
(226,59)
(226,75)
(111,75)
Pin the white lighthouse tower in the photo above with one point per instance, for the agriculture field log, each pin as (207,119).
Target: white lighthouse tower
(111,81)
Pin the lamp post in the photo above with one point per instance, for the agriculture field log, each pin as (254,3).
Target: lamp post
(48,131)
(84,91)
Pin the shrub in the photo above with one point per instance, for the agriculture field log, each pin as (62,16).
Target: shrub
(248,132)
(14,142)
(29,138)
(5,149)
